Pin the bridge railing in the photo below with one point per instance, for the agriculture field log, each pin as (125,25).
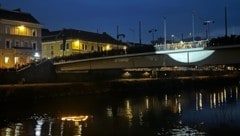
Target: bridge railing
(182,45)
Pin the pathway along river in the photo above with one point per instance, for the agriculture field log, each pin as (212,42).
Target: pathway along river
(204,110)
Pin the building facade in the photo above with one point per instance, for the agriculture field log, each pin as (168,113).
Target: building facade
(20,38)
(71,41)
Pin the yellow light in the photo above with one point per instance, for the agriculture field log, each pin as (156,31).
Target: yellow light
(75,118)
(108,47)
(6,60)
(21,28)
(76,45)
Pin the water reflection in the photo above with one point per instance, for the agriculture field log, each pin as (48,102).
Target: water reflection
(180,113)
(38,127)
(12,130)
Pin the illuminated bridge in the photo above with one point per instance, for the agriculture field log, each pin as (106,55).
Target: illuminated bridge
(182,58)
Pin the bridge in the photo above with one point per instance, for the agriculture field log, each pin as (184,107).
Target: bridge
(188,57)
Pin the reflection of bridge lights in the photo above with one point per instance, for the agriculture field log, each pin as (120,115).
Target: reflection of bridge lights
(78,130)
(211,101)
(38,127)
(8,131)
(75,118)
(166,100)
(222,97)
(109,112)
(236,93)
(199,104)
(147,103)
(50,128)
(225,94)
(179,107)
(214,100)
(219,98)
(18,129)
(129,112)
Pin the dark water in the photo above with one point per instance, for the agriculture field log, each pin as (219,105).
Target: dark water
(209,111)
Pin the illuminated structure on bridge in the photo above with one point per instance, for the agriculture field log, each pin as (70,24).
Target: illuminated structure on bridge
(185,52)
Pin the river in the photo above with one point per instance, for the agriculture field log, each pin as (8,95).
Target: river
(213,110)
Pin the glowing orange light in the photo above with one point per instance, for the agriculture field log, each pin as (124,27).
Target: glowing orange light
(75,118)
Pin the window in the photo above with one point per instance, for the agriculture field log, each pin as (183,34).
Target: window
(51,48)
(92,48)
(25,44)
(98,48)
(83,46)
(17,43)
(7,30)
(52,53)
(67,46)
(61,46)
(34,46)
(6,60)
(16,60)
(8,44)
(34,32)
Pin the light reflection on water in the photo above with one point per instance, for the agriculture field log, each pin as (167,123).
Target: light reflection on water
(181,113)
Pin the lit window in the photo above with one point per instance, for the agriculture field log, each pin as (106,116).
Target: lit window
(6,60)
(108,47)
(21,28)
(76,45)
(16,60)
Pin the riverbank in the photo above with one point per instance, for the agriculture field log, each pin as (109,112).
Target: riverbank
(127,86)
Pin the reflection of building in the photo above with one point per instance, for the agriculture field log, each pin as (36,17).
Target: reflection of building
(20,38)
(71,41)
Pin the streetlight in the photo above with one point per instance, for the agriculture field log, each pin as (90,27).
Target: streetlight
(172,38)
(152,31)
(207,23)
(120,37)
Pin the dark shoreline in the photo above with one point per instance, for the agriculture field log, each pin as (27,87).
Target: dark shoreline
(127,86)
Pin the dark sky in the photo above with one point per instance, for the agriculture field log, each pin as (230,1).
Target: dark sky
(105,15)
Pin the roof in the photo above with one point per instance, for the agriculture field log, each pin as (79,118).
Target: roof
(17,15)
(77,34)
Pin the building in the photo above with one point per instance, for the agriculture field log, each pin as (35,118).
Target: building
(67,42)
(20,38)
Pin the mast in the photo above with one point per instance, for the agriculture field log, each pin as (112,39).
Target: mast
(165,32)
(226,27)
(193,31)
(140,36)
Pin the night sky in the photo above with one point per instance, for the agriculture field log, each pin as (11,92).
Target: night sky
(105,15)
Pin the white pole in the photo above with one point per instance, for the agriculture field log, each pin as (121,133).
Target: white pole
(193,27)
(165,33)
